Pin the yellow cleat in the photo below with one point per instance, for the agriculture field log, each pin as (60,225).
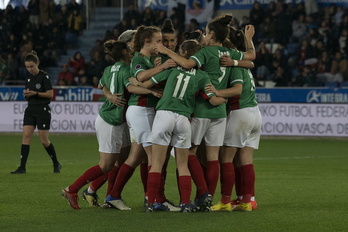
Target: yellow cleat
(222,207)
(243,207)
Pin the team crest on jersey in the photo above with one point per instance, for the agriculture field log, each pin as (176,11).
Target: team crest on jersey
(138,66)
(38,86)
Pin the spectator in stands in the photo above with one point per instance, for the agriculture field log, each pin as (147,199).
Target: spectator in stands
(12,46)
(132,13)
(279,77)
(147,17)
(306,51)
(65,76)
(161,16)
(122,26)
(338,71)
(98,47)
(96,66)
(45,11)
(34,12)
(343,41)
(12,65)
(84,81)
(267,30)
(339,67)
(4,74)
(74,27)
(284,22)
(193,25)
(73,5)
(299,28)
(77,62)
(25,47)
(256,16)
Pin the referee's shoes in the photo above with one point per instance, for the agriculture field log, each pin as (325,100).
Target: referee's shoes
(19,170)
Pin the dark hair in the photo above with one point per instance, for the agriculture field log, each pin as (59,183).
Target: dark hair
(192,35)
(32,56)
(190,46)
(168,27)
(114,49)
(237,38)
(143,35)
(219,26)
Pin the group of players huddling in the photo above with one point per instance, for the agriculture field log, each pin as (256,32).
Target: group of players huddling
(192,101)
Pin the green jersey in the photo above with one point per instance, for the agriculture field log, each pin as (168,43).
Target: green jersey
(115,78)
(247,97)
(181,88)
(141,63)
(209,59)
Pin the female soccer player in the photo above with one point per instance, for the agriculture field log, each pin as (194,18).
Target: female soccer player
(141,111)
(242,133)
(172,126)
(209,121)
(38,92)
(110,122)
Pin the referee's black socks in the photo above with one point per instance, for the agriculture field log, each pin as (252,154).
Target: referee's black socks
(24,155)
(52,153)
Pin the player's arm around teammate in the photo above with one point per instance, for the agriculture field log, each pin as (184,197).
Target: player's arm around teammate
(110,123)
(242,136)
(172,126)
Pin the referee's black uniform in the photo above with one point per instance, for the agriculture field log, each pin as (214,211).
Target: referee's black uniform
(38,114)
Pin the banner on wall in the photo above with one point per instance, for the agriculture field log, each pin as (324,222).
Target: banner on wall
(69,117)
(299,95)
(228,4)
(60,94)
(329,120)
(302,95)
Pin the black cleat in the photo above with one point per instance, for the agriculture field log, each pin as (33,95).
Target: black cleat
(56,168)
(19,171)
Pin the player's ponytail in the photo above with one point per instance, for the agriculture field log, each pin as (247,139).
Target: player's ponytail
(237,37)
(219,26)
(32,57)
(114,49)
(168,27)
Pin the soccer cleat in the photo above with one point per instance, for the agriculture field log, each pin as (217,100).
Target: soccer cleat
(106,206)
(150,208)
(187,208)
(235,202)
(19,170)
(253,204)
(91,198)
(56,168)
(145,202)
(171,206)
(203,203)
(222,207)
(116,203)
(160,207)
(72,199)
(246,207)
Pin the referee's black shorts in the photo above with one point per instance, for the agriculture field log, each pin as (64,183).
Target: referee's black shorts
(38,115)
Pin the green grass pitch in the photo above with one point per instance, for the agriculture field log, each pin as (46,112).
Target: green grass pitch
(301,185)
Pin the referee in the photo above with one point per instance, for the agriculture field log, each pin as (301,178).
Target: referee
(38,92)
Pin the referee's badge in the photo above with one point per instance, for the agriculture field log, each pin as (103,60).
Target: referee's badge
(38,86)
